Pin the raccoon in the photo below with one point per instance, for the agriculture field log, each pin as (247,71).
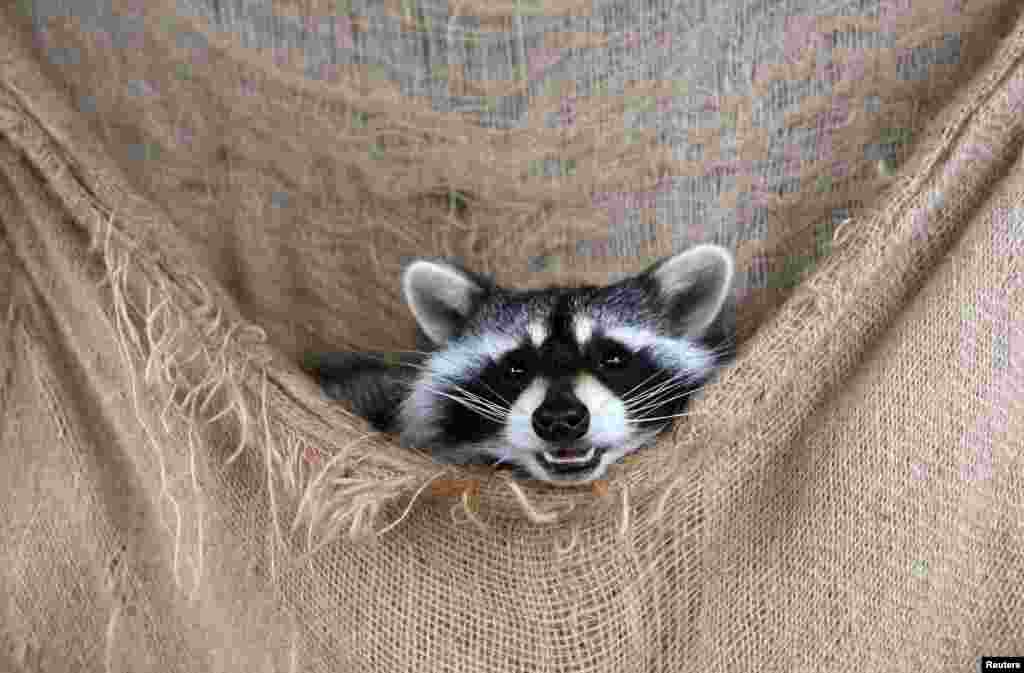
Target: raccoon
(557,383)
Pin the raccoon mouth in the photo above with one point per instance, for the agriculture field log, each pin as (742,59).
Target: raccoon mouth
(570,460)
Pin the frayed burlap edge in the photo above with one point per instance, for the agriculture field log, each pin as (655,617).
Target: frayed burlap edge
(192,363)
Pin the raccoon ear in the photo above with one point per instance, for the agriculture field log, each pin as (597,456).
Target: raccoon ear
(694,285)
(441,297)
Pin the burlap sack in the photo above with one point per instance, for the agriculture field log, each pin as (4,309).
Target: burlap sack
(177,494)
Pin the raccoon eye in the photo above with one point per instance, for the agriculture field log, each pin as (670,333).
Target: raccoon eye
(515,370)
(614,359)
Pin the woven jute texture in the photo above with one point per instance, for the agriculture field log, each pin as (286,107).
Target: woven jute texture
(181,220)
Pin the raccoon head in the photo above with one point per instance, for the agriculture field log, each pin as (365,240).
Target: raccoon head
(562,382)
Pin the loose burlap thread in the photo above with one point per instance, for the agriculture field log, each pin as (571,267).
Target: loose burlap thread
(849,491)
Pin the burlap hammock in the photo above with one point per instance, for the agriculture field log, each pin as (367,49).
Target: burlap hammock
(177,494)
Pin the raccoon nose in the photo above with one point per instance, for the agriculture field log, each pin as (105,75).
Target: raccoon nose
(561,423)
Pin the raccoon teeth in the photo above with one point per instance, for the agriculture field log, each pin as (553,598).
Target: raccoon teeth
(585,458)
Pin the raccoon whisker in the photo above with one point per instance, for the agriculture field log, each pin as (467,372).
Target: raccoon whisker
(637,400)
(637,421)
(479,410)
(441,355)
(480,406)
(426,368)
(410,385)
(664,387)
(477,398)
(629,392)
(625,396)
(654,395)
(497,394)
(472,406)
(483,401)
(625,399)
(658,402)
(669,381)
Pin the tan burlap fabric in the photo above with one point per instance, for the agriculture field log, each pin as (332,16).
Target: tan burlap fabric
(176,495)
